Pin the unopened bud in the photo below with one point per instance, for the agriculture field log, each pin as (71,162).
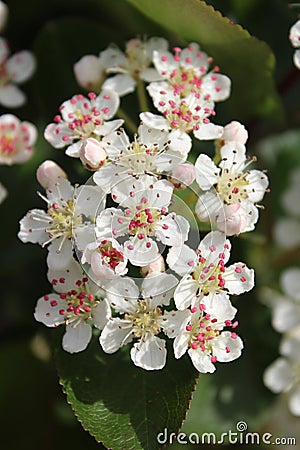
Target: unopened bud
(48,173)
(92,154)
(157,266)
(89,73)
(233,219)
(182,175)
(235,132)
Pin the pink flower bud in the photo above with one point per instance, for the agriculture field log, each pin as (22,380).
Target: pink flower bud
(233,219)
(92,154)
(182,175)
(235,132)
(48,172)
(157,266)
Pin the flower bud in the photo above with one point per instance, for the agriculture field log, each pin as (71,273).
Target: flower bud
(92,154)
(89,73)
(182,175)
(235,132)
(48,172)
(155,267)
(232,219)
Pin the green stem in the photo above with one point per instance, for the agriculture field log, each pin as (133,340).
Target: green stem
(142,96)
(128,122)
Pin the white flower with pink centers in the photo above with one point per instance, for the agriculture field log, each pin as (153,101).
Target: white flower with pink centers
(187,71)
(16,140)
(132,65)
(3,193)
(14,70)
(182,116)
(142,319)
(295,41)
(204,272)
(77,302)
(81,118)
(200,332)
(152,152)
(66,218)
(107,260)
(142,216)
(229,184)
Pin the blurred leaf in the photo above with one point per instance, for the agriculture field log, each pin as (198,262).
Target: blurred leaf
(58,46)
(121,405)
(248,61)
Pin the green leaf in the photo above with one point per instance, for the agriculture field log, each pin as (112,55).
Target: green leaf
(123,406)
(248,61)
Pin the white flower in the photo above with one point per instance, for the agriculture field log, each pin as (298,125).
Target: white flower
(283,376)
(187,72)
(131,65)
(152,152)
(182,115)
(15,70)
(143,319)
(77,302)
(295,41)
(16,139)
(106,258)
(82,118)
(200,332)
(204,272)
(3,193)
(287,229)
(286,308)
(228,184)
(66,217)
(143,218)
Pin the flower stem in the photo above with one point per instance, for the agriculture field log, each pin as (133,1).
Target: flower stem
(142,96)
(128,122)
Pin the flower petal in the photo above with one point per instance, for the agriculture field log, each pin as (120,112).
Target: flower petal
(77,338)
(226,348)
(47,310)
(150,354)
(181,259)
(115,334)
(278,376)
(201,361)
(185,292)
(207,173)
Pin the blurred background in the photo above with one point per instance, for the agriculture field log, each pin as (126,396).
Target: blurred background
(34,412)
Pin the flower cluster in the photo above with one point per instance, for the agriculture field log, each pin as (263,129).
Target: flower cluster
(295,41)
(283,375)
(120,252)
(16,137)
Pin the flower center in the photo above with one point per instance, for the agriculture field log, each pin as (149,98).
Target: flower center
(111,256)
(185,81)
(145,319)
(137,56)
(209,275)
(79,301)
(232,187)
(143,222)
(8,145)
(62,222)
